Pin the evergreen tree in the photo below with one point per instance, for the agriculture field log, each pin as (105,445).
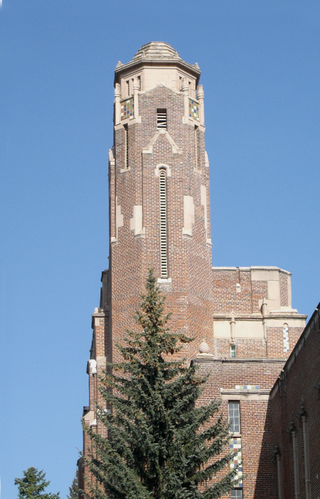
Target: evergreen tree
(74,489)
(160,445)
(33,485)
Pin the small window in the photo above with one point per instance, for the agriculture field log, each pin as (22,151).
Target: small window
(161,119)
(233,351)
(236,494)
(128,87)
(234,416)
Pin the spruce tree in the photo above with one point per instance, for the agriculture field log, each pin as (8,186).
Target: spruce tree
(160,444)
(74,489)
(33,485)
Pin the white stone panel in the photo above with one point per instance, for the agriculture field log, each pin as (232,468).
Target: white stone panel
(264,275)
(221,329)
(136,220)
(273,295)
(188,206)
(243,329)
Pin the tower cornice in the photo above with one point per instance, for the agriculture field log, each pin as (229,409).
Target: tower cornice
(157,54)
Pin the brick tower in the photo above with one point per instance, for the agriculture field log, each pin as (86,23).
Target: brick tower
(159,194)
(242,319)
(159,212)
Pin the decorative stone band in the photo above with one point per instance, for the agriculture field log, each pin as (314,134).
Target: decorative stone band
(247,387)
(244,393)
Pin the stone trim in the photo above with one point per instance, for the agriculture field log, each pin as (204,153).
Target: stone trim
(261,394)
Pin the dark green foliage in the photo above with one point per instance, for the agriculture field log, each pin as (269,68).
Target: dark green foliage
(160,445)
(33,484)
(74,489)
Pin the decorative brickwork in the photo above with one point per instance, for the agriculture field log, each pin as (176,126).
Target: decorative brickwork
(193,109)
(126,109)
(235,446)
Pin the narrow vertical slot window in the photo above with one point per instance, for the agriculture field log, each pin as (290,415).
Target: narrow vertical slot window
(163,225)
(233,351)
(128,88)
(234,416)
(161,119)
(126,146)
(196,147)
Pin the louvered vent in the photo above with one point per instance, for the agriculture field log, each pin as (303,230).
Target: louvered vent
(163,224)
(161,119)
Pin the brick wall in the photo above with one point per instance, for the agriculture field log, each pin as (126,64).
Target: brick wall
(295,394)
(256,422)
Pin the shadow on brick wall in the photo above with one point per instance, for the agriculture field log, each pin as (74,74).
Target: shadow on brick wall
(266,482)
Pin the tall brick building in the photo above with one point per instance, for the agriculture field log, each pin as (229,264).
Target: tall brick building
(159,212)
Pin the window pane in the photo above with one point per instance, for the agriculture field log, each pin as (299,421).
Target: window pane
(236,494)
(234,416)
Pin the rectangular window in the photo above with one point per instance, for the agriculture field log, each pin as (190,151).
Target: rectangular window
(234,416)
(161,119)
(236,494)
(285,331)
(233,351)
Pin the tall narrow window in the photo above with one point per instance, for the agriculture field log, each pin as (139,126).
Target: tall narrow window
(285,331)
(126,146)
(234,416)
(161,119)
(196,146)
(163,224)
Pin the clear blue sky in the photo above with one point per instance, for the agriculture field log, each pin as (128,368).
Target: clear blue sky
(260,71)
